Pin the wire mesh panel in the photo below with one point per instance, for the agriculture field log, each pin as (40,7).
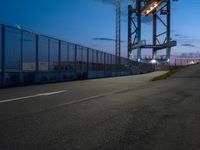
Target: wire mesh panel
(97,64)
(72,57)
(98,57)
(90,61)
(28,51)
(13,59)
(101,63)
(106,61)
(90,56)
(43,54)
(79,66)
(64,56)
(54,55)
(95,57)
(106,58)
(79,50)
(85,64)
(110,62)
(28,57)
(85,50)
(1,58)
(114,60)
(91,73)
(71,52)
(126,61)
(102,58)
(113,65)
(12,50)
(110,56)
(0,52)
(94,60)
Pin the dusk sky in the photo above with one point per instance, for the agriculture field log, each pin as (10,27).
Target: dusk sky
(92,22)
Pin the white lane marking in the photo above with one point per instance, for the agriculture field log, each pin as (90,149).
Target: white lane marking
(92,97)
(32,96)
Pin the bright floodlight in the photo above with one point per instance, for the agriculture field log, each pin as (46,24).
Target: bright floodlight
(168,60)
(191,62)
(153,61)
(151,6)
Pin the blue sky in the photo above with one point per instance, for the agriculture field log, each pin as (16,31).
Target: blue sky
(86,22)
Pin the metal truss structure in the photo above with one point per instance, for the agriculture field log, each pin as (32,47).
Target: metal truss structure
(160,11)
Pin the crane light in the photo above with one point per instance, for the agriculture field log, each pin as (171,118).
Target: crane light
(150,6)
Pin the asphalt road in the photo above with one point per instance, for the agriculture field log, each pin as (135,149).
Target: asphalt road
(125,113)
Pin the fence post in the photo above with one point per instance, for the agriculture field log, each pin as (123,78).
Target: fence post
(101,64)
(68,64)
(59,60)
(97,65)
(92,64)
(3,55)
(75,60)
(21,69)
(88,62)
(104,64)
(82,63)
(37,63)
(111,65)
(49,59)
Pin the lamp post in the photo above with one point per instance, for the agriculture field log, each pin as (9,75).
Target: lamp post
(118,32)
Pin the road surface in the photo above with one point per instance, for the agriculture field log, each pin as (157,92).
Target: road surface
(125,113)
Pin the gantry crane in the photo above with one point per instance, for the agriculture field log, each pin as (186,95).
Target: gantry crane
(158,9)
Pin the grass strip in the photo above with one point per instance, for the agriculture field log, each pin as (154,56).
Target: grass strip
(168,74)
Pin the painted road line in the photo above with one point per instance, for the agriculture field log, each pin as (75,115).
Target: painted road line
(32,96)
(93,97)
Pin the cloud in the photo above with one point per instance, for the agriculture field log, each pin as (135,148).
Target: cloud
(181,36)
(187,41)
(107,1)
(112,2)
(105,39)
(188,45)
(190,55)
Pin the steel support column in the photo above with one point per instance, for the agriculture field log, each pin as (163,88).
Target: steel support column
(129,31)
(138,13)
(154,35)
(168,29)
(134,29)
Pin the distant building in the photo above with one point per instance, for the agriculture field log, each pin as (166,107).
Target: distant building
(184,61)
